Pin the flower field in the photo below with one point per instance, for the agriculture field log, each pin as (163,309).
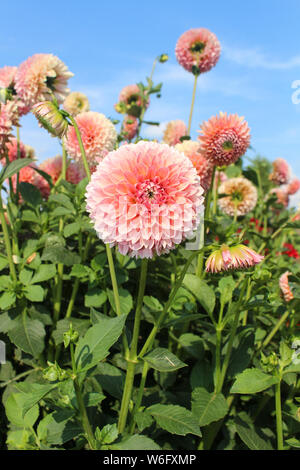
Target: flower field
(149,288)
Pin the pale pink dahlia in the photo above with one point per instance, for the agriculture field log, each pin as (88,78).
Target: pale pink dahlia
(281,171)
(198,50)
(130,127)
(26,175)
(53,167)
(293,186)
(40,76)
(174,131)
(224,138)
(76,103)
(8,118)
(7,80)
(240,196)
(12,150)
(284,287)
(145,198)
(131,101)
(98,135)
(282,196)
(204,168)
(234,257)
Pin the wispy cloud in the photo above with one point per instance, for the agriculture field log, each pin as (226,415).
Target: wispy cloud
(255,58)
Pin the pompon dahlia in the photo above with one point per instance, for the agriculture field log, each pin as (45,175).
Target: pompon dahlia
(234,257)
(293,186)
(282,196)
(8,118)
(284,287)
(130,127)
(241,196)
(76,103)
(281,171)
(7,81)
(174,131)
(26,175)
(145,198)
(198,50)
(53,166)
(40,76)
(12,150)
(191,149)
(224,138)
(131,101)
(98,136)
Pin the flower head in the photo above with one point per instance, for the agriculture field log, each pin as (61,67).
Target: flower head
(291,251)
(198,50)
(131,101)
(240,196)
(224,138)
(8,118)
(284,286)
(41,76)
(145,198)
(282,196)
(234,257)
(7,82)
(293,186)
(50,117)
(130,127)
(281,171)
(12,150)
(204,168)
(174,131)
(98,136)
(53,167)
(76,103)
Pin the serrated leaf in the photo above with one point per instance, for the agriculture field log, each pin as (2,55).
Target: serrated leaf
(248,435)
(44,273)
(95,298)
(7,300)
(135,442)
(97,341)
(192,344)
(163,360)
(126,302)
(14,167)
(208,407)
(14,411)
(253,381)
(35,393)
(111,379)
(175,419)
(28,335)
(34,293)
(60,254)
(201,290)
(71,229)
(30,194)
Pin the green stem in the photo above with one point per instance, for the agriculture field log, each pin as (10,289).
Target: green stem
(215,185)
(278,415)
(192,104)
(83,154)
(7,241)
(275,329)
(132,360)
(139,396)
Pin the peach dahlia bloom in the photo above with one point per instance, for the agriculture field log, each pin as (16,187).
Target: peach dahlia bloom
(224,138)
(174,131)
(282,196)
(293,186)
(198,50)
(53,167)
(241,196)
(281,171)
(7,80)
(145,198)
(284,286)
(204,169)
(130,127)
(98,136)
(130,101)
(8,118)
(41,75)
(76,103)
(234,257)
(12,150)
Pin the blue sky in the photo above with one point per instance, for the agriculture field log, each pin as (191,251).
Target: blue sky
(108,45)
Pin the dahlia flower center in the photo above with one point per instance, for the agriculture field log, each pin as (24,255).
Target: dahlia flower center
(150,192)
(198,47)
(133,99)
(227,145)
(50,83)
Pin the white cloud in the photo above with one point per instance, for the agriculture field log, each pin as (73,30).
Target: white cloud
(255,58)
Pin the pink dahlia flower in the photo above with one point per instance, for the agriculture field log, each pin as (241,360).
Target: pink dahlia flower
(281,171)
(204,169)
(234,257)
(240,196)
(198,50)
(282,196)
(7,80)
(174,131)
(98,135)
(131,101)
(145,198)
(12,150)
(26,175)
(224,138)
(293,186)
(8,118)
(40,76)
(53,167)
(130,127)
(284,286)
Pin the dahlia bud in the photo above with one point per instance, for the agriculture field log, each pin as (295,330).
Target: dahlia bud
(163,58)
(51,118)
(234,257)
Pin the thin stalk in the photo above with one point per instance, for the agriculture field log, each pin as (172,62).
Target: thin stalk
(192,104)
(83,154)
(132,360)
(6,236)
(279,430)
(139,396)
(18,156)
(275,329)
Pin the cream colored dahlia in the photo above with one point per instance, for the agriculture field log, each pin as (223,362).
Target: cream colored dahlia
(145,198)
(198,50)
(240,196)
(204,169)
(98,135)
(174,131)
(76,103)
(224,138)
(40,76)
